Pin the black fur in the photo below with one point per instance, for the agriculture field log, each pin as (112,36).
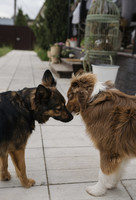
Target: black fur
(15,120)
(19,110)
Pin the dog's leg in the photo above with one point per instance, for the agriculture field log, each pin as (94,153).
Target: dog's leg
(105,182)
(18,158)
(4,174)
(109,176)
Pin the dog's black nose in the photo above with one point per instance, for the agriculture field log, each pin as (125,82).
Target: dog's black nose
(70,117)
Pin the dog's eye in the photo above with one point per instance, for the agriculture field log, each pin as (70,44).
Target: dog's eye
(70,96)
(75,84)
(58,108)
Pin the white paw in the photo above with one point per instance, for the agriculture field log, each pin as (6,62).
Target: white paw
(96,190)
(110,186)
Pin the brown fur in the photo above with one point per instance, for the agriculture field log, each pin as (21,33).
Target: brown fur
(110,120)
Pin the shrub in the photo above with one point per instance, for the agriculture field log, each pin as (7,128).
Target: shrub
(52,27)
(41,53)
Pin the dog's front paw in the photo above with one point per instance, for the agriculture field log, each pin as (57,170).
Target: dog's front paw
(5,176)
(96,190)
(29,183)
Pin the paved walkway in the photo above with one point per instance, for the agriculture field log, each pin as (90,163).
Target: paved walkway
(59,156)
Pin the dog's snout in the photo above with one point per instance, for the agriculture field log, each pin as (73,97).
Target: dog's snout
(73,107)
(70,117)
(67,116)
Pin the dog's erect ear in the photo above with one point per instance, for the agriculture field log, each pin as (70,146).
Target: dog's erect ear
(42,93)
(79,72)
(48,79)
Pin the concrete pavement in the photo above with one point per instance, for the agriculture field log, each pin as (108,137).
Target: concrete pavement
(60,157)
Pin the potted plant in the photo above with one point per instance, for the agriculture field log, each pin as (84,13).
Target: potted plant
(66,52)
(55,52)
(105,72)
(73,42)
(49,54)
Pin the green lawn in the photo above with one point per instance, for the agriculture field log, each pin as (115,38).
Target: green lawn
(4,50)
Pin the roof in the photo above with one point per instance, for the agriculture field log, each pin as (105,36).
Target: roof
(41,11)
(6,21)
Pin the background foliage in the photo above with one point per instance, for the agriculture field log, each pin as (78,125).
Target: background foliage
(4,50)
(21,19)
(52,27)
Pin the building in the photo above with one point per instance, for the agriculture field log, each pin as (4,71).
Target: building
(7,21)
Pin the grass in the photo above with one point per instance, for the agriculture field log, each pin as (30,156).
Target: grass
(41,53)
(4,50)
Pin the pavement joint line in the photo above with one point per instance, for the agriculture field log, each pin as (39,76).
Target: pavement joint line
(46,171)
(72,183)
(126,189)
(62,125)
(32,71)
(14,187)
(17,64)
(128,179)
(66,146)
(70,156)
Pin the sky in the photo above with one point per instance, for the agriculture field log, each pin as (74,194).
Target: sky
(30,7)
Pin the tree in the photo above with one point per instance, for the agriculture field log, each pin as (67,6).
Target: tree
(21,19)
(52,27)
(56,18)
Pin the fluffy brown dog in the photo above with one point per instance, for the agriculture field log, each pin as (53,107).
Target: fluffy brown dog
(110,119)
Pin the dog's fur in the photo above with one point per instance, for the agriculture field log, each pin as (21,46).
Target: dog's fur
(18,112)
(110,119)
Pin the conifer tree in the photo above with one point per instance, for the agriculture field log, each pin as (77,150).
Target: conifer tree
(56,18)
(21,19)
(52,27)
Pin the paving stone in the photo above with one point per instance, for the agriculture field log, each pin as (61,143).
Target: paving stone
(34,141)
(71,163)
(77,192)
(67,136)
(32,164)
(38,176)
(34,153)
(71,152)
(130,170)
(131,188)
(73,176)
(33,193)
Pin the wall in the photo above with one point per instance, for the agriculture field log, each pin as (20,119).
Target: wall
(126,77)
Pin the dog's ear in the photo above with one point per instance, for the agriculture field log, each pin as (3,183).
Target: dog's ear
(42,93)
(79,72)
(48,79)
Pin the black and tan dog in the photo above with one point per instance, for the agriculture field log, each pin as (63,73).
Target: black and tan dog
(18,112)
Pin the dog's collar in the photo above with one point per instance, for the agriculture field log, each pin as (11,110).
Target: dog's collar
(98,87)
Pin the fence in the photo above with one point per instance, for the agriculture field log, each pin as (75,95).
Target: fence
(20,37)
